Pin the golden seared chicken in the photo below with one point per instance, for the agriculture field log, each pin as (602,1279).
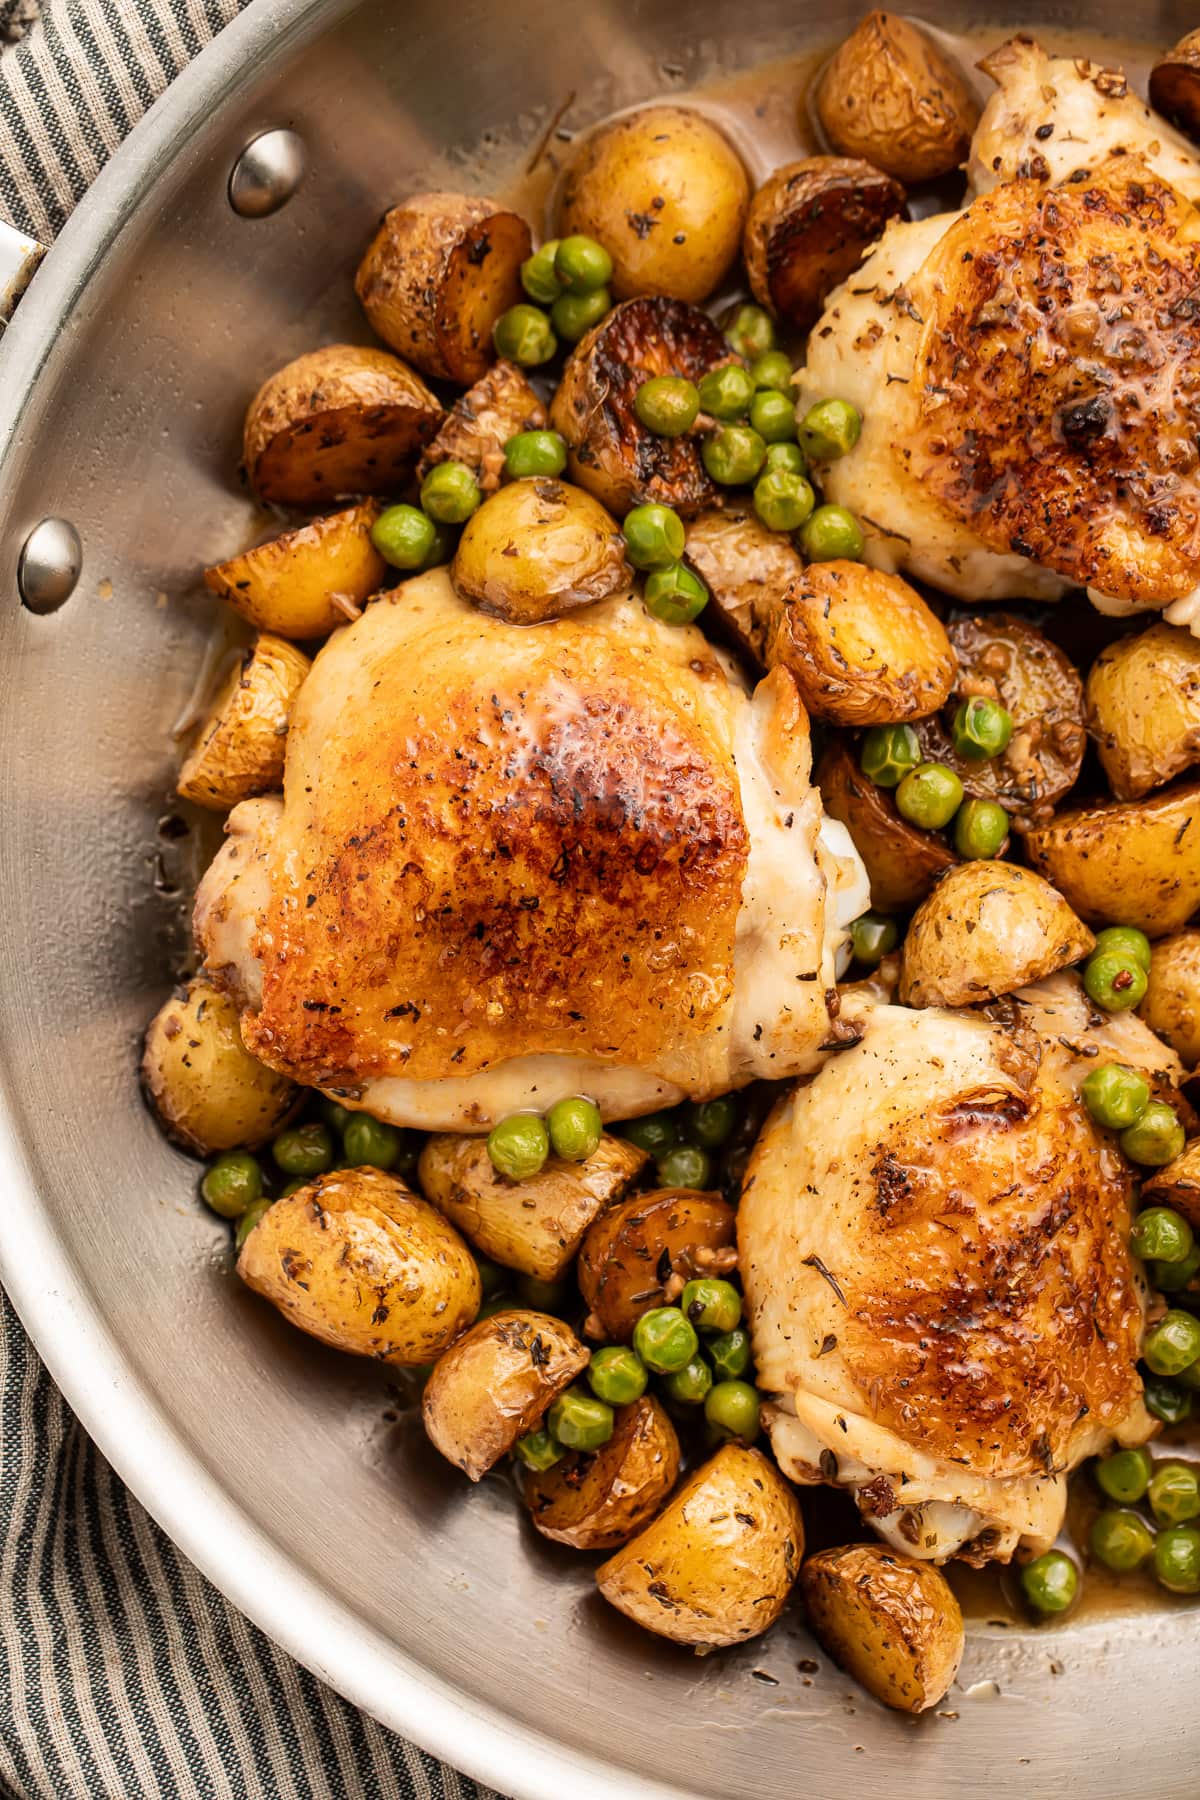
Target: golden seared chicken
(513,864)
(933,1240)
(1028,369)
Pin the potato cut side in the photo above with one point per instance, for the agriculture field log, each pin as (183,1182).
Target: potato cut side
(307,582)
(1133,862)
(890,1621)
(809,226)
(481,421)
(539,549)
(902,862)
(987,928)
(1175,85)
(496,1383)
(1172,1003)
(209,1093)
(239,749)
(1143,708)
(748,572)
(599,1500)
(632,1251)
(892,95)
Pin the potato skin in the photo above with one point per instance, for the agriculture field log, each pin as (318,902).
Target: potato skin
(306,582)
(358,1260)
(902,862)
(239,749)
(890,1621)
(666,194)
(337,423)
(1143,708)
(1132,862)
(747,569)
(207,1090)
(987,928)
(538,549)
(718,1563)
(437,275)
(1175,85)
(890,94)
(597,1501)
(809,226)
(1172,1003)
(1177,1184)
(537,1226)
(495,1384)
(481,421)
(632,1249)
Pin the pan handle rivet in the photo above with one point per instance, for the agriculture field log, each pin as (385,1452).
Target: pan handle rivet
(267,173)
(51,558)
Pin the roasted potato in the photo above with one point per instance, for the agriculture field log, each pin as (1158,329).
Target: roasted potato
(358,1260)
(891,94)
(1010,661)
(239,749)
(496,1383)
(635,1250)
(1134,862)
(666,195)
(480,423)
(597,1500)
(337,423)
(303,584)
(612,454)
(1143,708)
(890,1621)
(1177,1184)
(537,1225)
(437,275)
(987,928)
(901,861)
(747,569)
(1175,85)
(538,549)
(809,226)
(1172,1003)
(718,1563)
(208,1091)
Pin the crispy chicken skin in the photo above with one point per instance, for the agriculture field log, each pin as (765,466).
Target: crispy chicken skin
(933,1239)
(510,864)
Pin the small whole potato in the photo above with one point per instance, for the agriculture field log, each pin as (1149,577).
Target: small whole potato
(1143,708)
(809,226)
(356,1259)
(496,1384)
(891,95)
(633,1250)
(901,861)
(890,1621)
(239,749)
(209,1093)
(599,1499)
(479,424)
(308,581)
(1134,861)
(1172,1003)
(987,928)
(537,549)
(666,194)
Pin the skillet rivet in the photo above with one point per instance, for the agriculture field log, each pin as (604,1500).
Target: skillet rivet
(267,173)
(49,565)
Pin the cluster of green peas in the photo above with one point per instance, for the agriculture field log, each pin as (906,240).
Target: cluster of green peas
(567,280)
(681,1142)
(930,794)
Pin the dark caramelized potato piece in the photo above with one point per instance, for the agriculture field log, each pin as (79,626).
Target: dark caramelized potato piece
(632,1251)
(480,423)
(1175,85)
(809,226)
(901,861)
(597,1501)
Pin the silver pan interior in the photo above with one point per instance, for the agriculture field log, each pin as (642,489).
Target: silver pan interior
(271,1461)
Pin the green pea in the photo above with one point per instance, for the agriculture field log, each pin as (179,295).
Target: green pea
(772,371)
(523,335)
(1173,1344)
(538,276)
(665,1340)
(543,1296)
(872,937)
(1121,1540)
(750,330)
(1125,1475)
(929,796)
(450,493)
(688,1386)
(369,1142)
(685,1166)
(1115,1095)
(1177,1559)
(1174,1493)
(580,1421)
(333,1114)
(534,453)
(980,830)
(1189,1377)
(1162,1235)
(832,534)
(830,429)
(1156,1139)
(773,416)
(1050,1582)
(711,1304)
(403,536)
(233,1183)
(709,1122)
(617,1375)
(654,536)
(305,1150)
(249,1220)
(538,1450)
(733,454)
(667,405)
(292,1187)
(654,1132)
(1166,1400)
(729,1354)
(732,1409)
(675,595)
(982,728)
(726,393)
(573,315)
(1124,940)
(782,500)
(582,265)
(492,1278)
(575,1128)
(1173,1278)
(787,456)
(888,753)
(502,1302)
(445,542)
(1114,981)
(518,1146)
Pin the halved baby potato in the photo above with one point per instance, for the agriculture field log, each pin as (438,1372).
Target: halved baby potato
(1135,861)
(437,275)
(612,453)
(1143,708)
(987,928)
(718,1563)
(535,1226)
(635,1249)
(810,225)
(747,570)
(308,581)
(537,549)
(337,423)
(891,94)
(1177,1184)
(599,1500)
(239,749)
(356,1259)
(902,862)
(481,421)
(209,1093)
(889,1620)
(1172,1003)
(1175,85)
(496,1383)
